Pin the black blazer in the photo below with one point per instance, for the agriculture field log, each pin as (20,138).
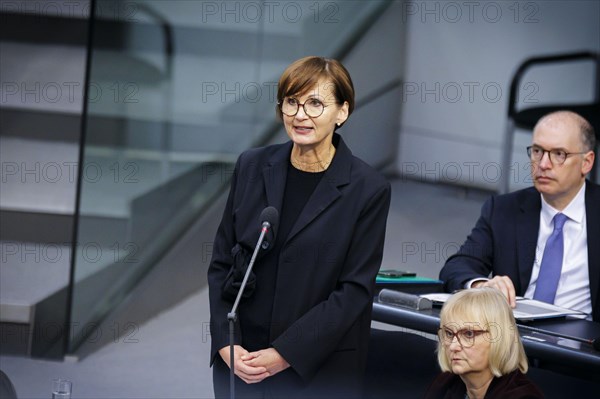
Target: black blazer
(504,239)
(324,289)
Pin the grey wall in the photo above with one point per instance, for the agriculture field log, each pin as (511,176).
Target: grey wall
(460,58)
(376,65)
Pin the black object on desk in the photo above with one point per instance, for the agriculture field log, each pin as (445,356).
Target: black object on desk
(395,273)
(410,284)
(575,329)
(404,299)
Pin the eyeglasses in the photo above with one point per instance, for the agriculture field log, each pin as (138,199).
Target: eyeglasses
(557,157)
(312,107)
(466,337)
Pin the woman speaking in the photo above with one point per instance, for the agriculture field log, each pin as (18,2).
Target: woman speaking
(304,323)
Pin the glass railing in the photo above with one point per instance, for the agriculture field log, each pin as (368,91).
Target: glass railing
(176,90)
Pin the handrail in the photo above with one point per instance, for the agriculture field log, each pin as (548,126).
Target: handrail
(514,88)
(167,32)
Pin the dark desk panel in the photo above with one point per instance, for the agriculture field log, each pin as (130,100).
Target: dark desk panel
(421,320)
(550,351)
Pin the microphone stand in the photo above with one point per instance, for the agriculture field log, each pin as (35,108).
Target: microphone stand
(232,316)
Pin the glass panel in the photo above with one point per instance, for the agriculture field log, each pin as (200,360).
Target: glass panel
(177,90)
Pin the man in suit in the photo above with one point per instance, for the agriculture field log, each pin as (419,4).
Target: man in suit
(506,248)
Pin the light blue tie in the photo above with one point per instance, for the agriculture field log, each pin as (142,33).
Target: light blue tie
(547,282)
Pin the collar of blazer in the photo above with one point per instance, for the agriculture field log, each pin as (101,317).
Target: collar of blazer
(275,171)
(326,192)
(528,225)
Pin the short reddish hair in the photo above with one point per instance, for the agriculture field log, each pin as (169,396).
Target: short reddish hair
(305,73)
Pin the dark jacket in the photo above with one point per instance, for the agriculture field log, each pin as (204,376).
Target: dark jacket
(514,385)
(504,240)
(321,309)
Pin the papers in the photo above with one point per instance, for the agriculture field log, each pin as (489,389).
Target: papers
(436,298)
(527,309)
(530,309)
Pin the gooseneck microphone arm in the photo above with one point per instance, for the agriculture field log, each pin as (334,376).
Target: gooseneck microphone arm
(263,232)
(269,217)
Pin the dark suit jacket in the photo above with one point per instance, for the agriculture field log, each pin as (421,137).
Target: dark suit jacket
(504,240)
(321,309)
(514,385)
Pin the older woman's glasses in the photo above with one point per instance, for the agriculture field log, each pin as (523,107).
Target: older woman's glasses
(312,107)
(557,156)
(466,337)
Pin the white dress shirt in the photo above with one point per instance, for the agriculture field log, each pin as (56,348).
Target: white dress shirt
(573,290)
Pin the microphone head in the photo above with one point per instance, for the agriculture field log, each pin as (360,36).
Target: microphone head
(269,215)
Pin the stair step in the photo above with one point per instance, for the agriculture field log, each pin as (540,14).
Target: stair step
(40,125)
(147,33)
(38,176)
(42,77)
(30,273)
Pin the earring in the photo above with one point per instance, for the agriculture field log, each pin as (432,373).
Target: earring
(338,124)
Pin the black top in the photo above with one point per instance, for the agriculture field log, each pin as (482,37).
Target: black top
(299,187)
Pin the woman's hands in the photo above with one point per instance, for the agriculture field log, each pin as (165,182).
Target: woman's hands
(253,367)
(269,358)
(248,373)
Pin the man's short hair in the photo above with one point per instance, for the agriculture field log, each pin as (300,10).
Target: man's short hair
(588,135)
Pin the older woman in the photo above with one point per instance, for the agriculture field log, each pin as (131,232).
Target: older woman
(303,328)
(479,350)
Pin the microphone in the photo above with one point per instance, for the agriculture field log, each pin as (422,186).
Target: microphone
(269,218)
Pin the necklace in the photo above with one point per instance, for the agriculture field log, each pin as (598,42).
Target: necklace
(317,166)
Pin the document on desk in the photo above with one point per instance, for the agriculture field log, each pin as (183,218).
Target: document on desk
(437,298)
(527,309)
(531,309)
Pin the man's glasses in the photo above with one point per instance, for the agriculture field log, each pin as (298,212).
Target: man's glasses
(466,337)
(557,156)
(312,107)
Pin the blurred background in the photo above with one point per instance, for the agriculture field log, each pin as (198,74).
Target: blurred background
(120,123)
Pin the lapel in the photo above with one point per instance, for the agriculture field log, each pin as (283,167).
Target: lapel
(528,225)
(326,192)
(592,212)
(275,174)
